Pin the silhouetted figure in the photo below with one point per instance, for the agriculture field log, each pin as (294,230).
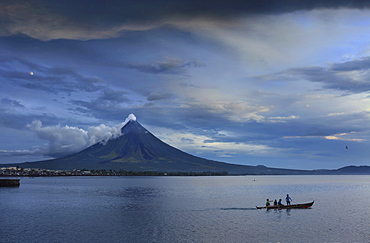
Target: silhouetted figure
(268,202)
(280,203)
(288,199)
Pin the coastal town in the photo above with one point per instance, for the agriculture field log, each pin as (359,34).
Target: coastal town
(32,172)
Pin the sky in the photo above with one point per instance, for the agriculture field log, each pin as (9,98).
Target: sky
(283,84)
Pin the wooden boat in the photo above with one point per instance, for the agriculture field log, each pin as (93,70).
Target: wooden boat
(9,182)
(302,205)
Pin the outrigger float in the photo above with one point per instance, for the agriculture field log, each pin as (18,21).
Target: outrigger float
(302,205)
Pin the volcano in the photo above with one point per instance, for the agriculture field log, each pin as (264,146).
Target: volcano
(136,149)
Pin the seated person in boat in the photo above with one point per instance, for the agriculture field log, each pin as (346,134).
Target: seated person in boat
(275,203)
(280,203)
(268,202)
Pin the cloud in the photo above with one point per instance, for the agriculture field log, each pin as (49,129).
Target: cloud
(65,140)
(49,79)
(62,140)
(103,133)
(130,117)
(48,20)
(348,81)
(155,96)
(339,136)
(237,111)
(112,96)
(281,119)
(351,76)
(16,114)
(11,103)
(202,144)
(19,152)
(353,65)
(169,66)
(107,104)
(63,80)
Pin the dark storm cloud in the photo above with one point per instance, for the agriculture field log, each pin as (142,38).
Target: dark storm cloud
(147,10)
(89,19)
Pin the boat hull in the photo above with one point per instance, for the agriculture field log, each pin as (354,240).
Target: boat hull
(302,205)
(9,182)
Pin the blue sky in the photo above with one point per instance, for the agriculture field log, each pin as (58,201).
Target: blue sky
(278,83)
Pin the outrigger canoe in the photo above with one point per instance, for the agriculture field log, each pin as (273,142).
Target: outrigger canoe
(302,205)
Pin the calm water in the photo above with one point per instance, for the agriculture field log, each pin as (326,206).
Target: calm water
(185,209)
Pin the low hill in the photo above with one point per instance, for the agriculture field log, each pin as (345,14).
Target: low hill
(353,170)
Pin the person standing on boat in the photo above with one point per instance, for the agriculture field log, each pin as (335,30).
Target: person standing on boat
(288,199)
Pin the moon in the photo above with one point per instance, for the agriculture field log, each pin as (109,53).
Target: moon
(31,73)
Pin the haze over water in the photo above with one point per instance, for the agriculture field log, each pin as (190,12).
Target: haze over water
(185,209)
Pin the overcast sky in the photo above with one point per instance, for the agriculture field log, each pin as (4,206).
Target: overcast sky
(275,83)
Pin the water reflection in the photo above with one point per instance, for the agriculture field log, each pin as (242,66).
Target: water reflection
(238,209)
(140,213)
(140,192)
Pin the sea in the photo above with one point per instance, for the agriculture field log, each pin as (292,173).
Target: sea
(185,209)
